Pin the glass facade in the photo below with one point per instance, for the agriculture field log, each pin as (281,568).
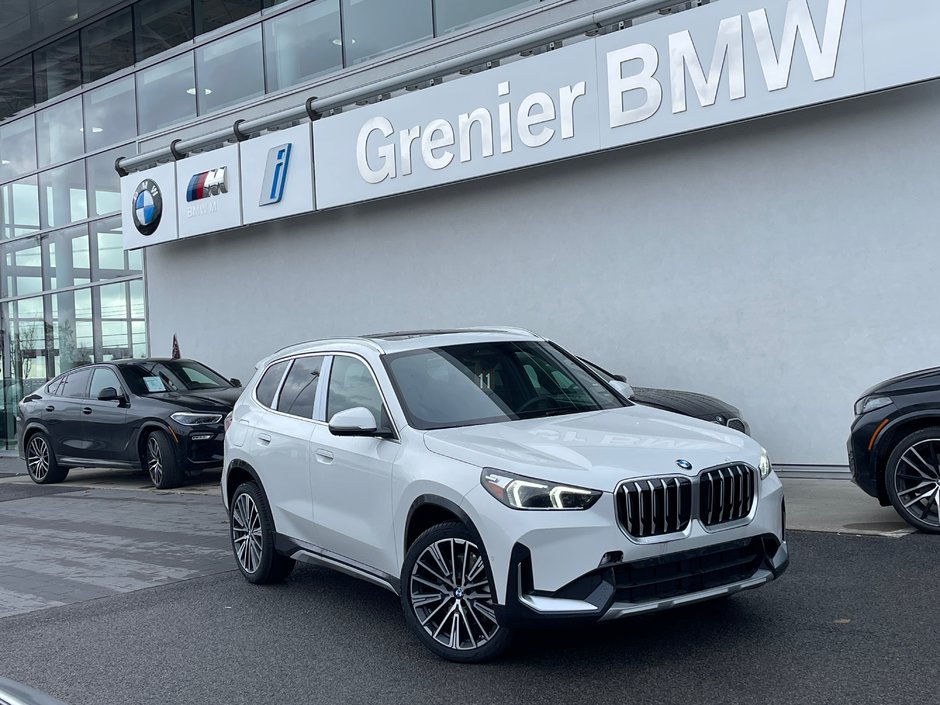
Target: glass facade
(69,293)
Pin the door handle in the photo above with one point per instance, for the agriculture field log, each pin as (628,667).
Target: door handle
(264,438)
(86,409)
(324,456)
(50,408)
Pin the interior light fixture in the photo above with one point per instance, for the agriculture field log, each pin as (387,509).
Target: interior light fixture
(96,130)
(72,17)
(4,162)
(339,42)
(205,91)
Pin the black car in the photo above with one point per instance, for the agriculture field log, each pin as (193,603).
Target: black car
(165,416)
(894,446)
(698,406)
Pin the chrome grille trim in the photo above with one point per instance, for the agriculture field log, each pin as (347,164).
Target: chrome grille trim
(726,494)
(655,506)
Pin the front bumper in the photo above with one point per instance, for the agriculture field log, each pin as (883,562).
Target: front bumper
(580,566)
(200,447)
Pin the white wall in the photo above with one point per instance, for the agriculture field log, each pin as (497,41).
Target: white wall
(783,265)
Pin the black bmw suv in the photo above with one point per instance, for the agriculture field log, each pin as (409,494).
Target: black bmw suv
(165,416)
(894,446)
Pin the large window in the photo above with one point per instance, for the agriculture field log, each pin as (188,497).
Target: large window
(67,258)
(453,14)
(166,93)
(57,68)
(16,86)
(230,70)
(212,14)
(17,148)
(19,207)
(112,261)
(160,25)
(302,44)
(372,27)
(107,46)
(59,131)
(110,114)
(104,184)
(22,268)
(62,195)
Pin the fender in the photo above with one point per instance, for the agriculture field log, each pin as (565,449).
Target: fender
(425,499)
(227,473)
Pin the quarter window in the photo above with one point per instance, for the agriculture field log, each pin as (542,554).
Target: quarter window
(267,387)
(352,385)
(300,387)
(103,377)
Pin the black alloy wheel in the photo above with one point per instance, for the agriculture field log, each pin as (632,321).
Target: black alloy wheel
(160,461)
(448,596)
(41,462)
(912,479)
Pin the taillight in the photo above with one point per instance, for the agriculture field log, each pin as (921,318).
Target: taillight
(228,421)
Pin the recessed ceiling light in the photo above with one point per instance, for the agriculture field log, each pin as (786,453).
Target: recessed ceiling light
(72,17)
(96,130)
(339,42)
(4,161)
(205,91)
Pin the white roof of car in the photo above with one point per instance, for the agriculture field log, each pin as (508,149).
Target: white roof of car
(400,341)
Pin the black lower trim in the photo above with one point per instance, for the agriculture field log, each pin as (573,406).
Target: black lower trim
(287,546)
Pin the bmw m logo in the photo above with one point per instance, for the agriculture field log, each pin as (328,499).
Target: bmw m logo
(205,184)
(148,207)
(684,464)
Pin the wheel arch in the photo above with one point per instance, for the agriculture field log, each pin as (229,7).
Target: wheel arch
(893,434)
(32,428)
(239,472)
(148,426)
(429,510)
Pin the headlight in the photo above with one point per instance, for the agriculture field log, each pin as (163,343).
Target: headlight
(866,404)
(764,466)
(527,493)
(191,419)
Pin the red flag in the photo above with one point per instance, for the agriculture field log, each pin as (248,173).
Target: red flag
(176,348)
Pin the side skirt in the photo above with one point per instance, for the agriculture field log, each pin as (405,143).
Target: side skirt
(310,553)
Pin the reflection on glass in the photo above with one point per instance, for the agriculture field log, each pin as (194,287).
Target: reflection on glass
(229,70)
(73,337)
(62,195)
(166,93)
(451,14)
(59,132)
(110,114)
(107,46)
(104,184)
(115,327)
(19,207)
(212,14)
(302,44)
(67,258)
(17,148)
(57,68)
(22,268)
(16,86)
(24,347)
(113,261)
(161,25)
(372,27)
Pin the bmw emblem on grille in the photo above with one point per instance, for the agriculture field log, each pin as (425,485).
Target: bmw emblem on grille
(684,464)
(148,207)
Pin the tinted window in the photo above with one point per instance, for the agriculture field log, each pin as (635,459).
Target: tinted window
(267,387)
(107,46)
(161,24)
(103,377)
(300,387)
(57,68)
(75,384)
(351,385)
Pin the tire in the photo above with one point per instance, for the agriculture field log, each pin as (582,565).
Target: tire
(430,588)
(252,534)
(159,459)
(41,463)
(912,479)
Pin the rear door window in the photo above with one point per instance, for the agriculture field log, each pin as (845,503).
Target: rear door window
(300,388)
(75,384)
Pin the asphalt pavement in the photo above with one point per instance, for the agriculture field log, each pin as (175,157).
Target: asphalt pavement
(853,621)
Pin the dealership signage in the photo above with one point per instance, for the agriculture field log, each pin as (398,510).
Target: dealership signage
(724,62)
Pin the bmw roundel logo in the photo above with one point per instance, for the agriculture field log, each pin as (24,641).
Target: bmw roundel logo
(148,207)
(684,464)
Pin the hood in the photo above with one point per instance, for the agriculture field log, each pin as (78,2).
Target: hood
(699,406)
(921,380)
(596,449)
(221,400)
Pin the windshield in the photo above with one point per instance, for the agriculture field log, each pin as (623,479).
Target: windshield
(478,383)
(171,376)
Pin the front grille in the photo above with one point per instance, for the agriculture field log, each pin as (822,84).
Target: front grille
(688,571)
(655,507)
(726,494)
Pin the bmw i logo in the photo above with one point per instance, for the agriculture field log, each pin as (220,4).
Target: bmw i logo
(684,464)
(148,207)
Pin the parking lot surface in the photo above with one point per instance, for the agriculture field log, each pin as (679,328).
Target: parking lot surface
(137,601)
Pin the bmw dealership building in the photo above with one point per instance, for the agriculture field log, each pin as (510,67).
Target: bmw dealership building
(736,197)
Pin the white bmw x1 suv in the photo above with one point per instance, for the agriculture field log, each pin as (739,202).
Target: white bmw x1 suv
(492,481)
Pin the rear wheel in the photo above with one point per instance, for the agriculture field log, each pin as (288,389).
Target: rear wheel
(912,479)
(252,533)
(41,463)
(448,596)
(160,461)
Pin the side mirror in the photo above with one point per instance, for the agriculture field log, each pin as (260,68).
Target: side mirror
(235,382)
(622,388)
(357,421)
(109,394)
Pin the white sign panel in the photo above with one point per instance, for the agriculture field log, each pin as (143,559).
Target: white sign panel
(208,192)
(148,213)
(277,174)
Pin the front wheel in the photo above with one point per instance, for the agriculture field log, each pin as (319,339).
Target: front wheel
(912,479)
(448,596)
(160,461)
(41,463)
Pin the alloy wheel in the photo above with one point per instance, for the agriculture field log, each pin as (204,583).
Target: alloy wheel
(917,481)
(246,533)
(37,458)
(154,461)
(450,595)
